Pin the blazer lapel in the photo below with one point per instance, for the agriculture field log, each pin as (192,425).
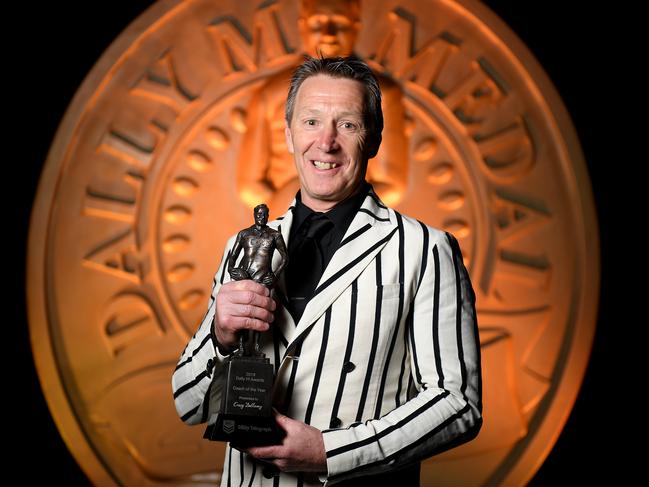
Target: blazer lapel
(285,319)
(367,234)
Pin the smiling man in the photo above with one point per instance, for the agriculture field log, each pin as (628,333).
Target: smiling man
(327,135)
(373,330)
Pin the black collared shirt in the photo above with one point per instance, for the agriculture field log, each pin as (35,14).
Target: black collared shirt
(304,276)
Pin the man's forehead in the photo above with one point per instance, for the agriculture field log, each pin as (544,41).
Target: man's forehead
(353,112)
(323,85)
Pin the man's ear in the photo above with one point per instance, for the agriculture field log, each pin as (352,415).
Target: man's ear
(289,139)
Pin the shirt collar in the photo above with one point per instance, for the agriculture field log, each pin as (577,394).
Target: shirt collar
(341,215)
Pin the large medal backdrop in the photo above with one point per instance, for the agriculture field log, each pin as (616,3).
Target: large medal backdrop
(177,132)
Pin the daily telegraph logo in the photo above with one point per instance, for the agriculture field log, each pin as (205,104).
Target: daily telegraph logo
(228,426)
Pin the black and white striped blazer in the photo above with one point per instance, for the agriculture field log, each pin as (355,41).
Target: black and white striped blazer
(385,359)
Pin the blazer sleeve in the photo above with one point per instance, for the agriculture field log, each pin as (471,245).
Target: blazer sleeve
(444,351)
(200,362)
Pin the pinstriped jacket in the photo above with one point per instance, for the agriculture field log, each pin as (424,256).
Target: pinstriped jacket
(385,359)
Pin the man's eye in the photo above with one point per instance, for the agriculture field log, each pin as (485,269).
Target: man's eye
(310,122)
(349,125)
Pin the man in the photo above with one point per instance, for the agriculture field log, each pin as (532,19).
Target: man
(377,363)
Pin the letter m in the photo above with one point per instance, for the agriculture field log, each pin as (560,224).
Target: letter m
(238,51)
(397,51)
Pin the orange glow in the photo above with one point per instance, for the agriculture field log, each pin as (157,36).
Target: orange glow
(178,131)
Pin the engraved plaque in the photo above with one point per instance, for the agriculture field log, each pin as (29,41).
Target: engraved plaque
(250,395)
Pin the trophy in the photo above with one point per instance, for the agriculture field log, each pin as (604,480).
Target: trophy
(246,416)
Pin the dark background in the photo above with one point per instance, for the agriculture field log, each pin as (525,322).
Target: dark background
(56,46)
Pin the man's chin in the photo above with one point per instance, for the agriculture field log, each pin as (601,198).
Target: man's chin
(331,197)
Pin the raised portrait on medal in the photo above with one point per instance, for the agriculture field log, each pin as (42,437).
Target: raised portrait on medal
(265,169)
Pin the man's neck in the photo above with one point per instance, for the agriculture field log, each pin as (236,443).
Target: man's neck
(324,206)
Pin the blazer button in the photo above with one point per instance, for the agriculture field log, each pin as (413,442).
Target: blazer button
(348,367)
(335,423)
(210,366)
(270,472)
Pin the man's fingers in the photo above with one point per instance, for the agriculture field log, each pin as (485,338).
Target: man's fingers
(249,285)
(249,324)
(242,305)
(249,294)
(263,452)
(250,311)
(254,299)
(236,317)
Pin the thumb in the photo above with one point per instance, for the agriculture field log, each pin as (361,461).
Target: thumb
(283,422)
(281,419)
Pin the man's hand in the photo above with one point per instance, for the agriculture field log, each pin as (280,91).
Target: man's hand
(301,450)
(241,305)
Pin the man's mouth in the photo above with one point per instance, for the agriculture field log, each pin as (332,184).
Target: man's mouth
(325,165)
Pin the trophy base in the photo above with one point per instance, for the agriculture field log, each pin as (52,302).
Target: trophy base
(245,431)
(246,415)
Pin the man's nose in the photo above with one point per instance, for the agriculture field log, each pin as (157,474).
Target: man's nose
(328,138)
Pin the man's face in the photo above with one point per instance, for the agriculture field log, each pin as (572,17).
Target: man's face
(261,217)
(327,138)
(329,28)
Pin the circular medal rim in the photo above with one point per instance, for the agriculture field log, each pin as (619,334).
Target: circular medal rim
(584,317)
(47,365)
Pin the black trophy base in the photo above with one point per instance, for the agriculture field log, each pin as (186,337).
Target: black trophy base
(246,414)
(245,431)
